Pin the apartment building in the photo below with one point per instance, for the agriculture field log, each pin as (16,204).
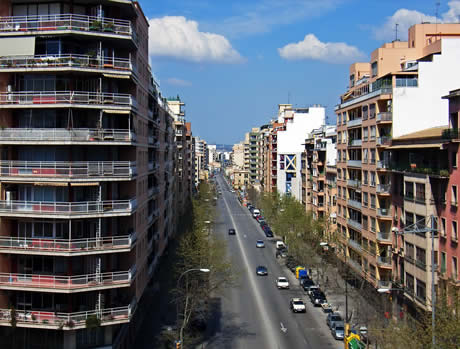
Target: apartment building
(201,160)
(252,155)
(298,123)
(319,168)
(397,93)
(190,155)
(237,157)
(262,156)
(87,173)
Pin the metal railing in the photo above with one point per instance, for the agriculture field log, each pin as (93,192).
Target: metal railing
(382,164)
(385,261)
(67,135)
(355,244)
(354,203)
(65,282)
(66,97)
(385,140)
(69,170)
(354,224)
(356,142)
(355,122)
(381,236)
(383,188)
(67,320)
(354,182)
(65,22)
(354,163)
(67,208)
(384,116)
(69,246)
(383,212)
(66,60)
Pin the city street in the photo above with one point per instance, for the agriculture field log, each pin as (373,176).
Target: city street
(254,313)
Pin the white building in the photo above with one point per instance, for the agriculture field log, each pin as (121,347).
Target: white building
(299,123)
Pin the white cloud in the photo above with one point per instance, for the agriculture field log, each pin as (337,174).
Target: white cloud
(178,82)
(177,37)
(312,48)
(406,18)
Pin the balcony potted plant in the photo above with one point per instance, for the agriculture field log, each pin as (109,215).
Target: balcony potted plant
(95,25)
(92,321)
(109,27)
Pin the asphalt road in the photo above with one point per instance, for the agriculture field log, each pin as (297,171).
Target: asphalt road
(254,313)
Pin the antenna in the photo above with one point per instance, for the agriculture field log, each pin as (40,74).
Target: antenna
(396,31)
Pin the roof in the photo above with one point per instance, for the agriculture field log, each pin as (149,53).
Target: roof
(454,93)
(416,146)
(434,132)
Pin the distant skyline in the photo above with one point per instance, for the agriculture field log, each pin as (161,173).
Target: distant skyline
(233,62)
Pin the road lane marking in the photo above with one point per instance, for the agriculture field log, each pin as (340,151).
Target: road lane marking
(283,329)
(272,340)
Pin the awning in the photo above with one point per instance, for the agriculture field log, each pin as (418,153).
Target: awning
(113,111)
(117,76)
(420,146)
(84,184)
(356,344)
(18,46)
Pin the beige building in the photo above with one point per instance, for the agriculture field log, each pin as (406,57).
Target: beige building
(238,155)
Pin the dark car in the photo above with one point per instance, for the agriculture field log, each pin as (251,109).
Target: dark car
(260,218)
(268,233)
(231,231)
(306,283)
(317,298)
(261,270)
(283,253)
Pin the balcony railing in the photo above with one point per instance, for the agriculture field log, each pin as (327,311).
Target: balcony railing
(354,183)
(66,283)
(356,142)
(382,164)
(355,122)
(354,224)
(354,203)
(67,170)
(354,163)
(65,22)
(384,116)
(384,261)
(34,135)
(52,208)
(39,62)
(67,321)
(67,247)
(383,212)
(384,141)
(383,237)
(355,244)
(384,284)
(66,99)
(383,188)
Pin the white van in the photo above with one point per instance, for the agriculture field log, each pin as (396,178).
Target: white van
(255,213)
(280,245)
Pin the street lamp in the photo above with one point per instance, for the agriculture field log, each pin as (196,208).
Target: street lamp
(202,270)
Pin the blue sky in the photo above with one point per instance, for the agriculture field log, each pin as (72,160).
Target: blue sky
(233,61)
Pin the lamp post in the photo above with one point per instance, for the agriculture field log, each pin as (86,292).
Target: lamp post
(202,270)
(414,229)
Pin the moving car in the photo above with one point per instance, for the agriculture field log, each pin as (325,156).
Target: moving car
(332,318)
(282,282)
(297,305)
(231,231)
(338,331)
(317,298)
(260,244)
(261,270)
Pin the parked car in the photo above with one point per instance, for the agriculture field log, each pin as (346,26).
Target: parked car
(311,289)
(338,330)
(317,298)
(261,270)
(327,308)
(297,305)
(260,244)
(281,253)
(260,218)
(364,335)
(231,231)
(280,245)
(262,222)
(333,318)
(255,213)
(249,206)
(282,282)
(268,232)
(306,284)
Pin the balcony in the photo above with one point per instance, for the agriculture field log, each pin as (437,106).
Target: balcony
(66,63)
(66,23)
(355,244)
(383,213)
(383,141)
(67,171)
(385,284)
(383,189)
(355,122)
(67,99)
(51,209)
(66,284)
(384,237)
(356,183)
(384,262)
(384,117)
(383,165)
(62,247)
(355,142)
(353,203)
(77,136)
(354,163)
(354,224)
(67,321)
(378,90)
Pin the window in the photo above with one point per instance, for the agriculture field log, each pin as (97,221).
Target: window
(409,249)
(410,283)
(409,219)
(365,223)
(421,290)
(420,257)
(443,227)
(454,268)
(373,224)
(454,158)
(365,178)
(344,118)
(344,155)
(454,231)
(443,263)
(420,193)
(365,155)
(454,196)
(339,156)
(365,133)
(365,199)
(406,81)
(372,111)
(409,190)
(372,200)
(372,137)
(372,180)
(365,112)
(352,80)
(374,69)
(372,156)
